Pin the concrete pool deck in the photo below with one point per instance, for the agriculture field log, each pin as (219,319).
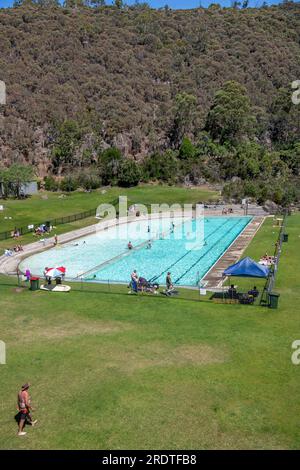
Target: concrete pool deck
(213,279)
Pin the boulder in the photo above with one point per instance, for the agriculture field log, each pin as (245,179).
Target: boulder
(271,207)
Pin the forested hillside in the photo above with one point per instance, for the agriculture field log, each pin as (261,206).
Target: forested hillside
(194,95)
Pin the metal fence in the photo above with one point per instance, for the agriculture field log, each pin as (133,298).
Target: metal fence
(106,286)
(270,282)
(54,222)
(277,253)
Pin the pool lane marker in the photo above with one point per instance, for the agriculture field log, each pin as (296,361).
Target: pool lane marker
(154,278)
(122,255)
(202,256)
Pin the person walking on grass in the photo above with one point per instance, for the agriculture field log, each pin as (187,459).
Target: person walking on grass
(24,408)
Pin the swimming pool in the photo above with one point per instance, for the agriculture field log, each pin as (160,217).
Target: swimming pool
(104,255)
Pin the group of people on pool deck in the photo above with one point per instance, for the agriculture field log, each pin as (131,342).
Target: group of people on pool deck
(140,284)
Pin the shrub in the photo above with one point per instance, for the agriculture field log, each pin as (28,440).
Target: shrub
(50,183)
(69,183)
(129,174)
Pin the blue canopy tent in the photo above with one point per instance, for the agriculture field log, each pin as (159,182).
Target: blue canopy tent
(247,267)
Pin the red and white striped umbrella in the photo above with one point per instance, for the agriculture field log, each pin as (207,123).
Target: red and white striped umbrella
(56,272)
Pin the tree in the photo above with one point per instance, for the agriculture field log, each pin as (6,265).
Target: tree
(184,113)
(119,4)
(109,165)
(69,183)
(141,5)
(19,3)
(129,174)
(187,151)
(50,184)
(41,3)
(95,3)
(73,3)
(14,177)
(163,167)
(230,117)
(48,3)
(284,118)
(245,161)
(4,182)
(291,158)
(66,142)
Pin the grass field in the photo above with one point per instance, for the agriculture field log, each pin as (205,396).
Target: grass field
(37,209)
(109,370)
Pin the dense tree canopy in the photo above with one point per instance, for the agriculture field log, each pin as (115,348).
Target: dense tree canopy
(230,118)
(112,95)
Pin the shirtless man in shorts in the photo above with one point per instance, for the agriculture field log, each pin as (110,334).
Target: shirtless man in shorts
(24,408)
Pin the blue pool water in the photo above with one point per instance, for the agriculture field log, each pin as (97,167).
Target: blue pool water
(104,255)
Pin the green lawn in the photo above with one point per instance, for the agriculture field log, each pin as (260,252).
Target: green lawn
(37,209)
(114,371)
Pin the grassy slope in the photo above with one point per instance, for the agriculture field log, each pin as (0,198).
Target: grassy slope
(114,371)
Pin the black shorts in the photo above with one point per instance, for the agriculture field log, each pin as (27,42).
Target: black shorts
(23,415)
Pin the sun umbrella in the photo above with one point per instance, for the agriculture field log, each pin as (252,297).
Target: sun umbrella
(56,272)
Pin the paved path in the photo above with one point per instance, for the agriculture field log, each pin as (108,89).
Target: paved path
(9,264)
(214,277)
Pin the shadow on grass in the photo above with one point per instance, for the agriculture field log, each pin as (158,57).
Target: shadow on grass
(112,291)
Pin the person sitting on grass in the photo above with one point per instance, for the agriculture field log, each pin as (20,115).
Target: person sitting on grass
(147,286)
(16,233)
(142,283)
(232,292)
(254,292)
(24,409)
(37,232)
